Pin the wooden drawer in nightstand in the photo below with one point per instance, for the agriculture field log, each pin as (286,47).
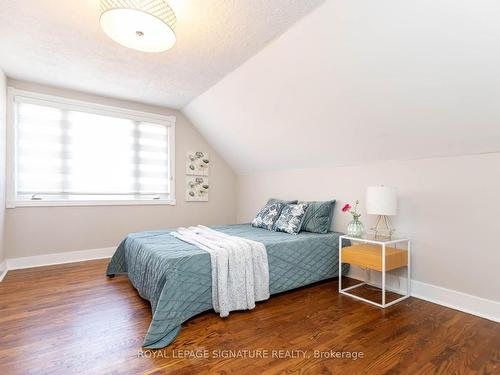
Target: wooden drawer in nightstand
(370,256)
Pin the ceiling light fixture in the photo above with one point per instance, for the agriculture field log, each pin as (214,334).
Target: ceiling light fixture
(144,25)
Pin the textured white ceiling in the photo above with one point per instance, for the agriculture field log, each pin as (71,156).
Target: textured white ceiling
(357,81)
(60,43)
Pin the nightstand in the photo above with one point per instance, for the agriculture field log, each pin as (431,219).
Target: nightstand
(382,255)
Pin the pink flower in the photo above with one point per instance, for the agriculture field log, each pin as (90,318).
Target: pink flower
(346,208)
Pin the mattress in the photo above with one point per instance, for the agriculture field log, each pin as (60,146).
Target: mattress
(175,277)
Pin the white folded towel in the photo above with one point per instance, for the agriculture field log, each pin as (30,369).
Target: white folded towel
(240,270)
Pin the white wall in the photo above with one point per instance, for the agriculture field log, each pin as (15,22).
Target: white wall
(3,98)
(449,207)
(33,231)
(359,81)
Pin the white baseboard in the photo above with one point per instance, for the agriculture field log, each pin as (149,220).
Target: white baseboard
(453,299)
(59,258)
(467,303)
(3,270)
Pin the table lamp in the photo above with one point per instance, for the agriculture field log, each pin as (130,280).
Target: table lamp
(382,201)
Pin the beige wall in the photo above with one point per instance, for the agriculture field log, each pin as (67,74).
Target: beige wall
(3,94)
(44,230)
(447,206)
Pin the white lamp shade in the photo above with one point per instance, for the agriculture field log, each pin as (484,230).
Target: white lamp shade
(381,200)
(142,25)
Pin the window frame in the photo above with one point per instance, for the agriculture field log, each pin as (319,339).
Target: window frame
(88,107)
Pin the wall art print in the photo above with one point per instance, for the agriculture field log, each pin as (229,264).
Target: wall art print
(197,189)
(197,163)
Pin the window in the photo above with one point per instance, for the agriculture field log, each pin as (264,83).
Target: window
(65,152)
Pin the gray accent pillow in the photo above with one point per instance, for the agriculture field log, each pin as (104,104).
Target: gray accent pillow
(318,217)
(275,200)
(268,215)
(291,217)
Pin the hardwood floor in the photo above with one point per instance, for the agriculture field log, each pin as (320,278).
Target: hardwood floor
(71,319)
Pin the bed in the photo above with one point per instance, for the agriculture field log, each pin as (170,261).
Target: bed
(175,277)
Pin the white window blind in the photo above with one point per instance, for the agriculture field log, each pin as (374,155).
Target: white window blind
(68,154)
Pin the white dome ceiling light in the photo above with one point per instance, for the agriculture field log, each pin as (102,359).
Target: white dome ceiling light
(144,25)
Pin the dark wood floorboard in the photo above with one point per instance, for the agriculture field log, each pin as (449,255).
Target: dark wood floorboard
(71,319)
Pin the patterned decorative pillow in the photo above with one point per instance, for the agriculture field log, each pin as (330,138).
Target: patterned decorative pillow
(290,220)
(318,217)
(275,200)
(268,215)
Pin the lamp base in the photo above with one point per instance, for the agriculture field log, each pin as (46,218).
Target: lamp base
(383,228)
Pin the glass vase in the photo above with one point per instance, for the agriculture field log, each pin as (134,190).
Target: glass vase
(355,228)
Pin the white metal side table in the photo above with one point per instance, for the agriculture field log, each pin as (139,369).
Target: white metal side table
(377,254)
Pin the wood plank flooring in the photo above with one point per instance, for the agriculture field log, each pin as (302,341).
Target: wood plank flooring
(71,319)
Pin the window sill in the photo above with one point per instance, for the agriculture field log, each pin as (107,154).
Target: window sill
(171,202)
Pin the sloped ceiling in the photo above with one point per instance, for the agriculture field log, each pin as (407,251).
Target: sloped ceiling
(360,81)
(60,43)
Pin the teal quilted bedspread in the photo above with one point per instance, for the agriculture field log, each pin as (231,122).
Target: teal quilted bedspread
(175,277)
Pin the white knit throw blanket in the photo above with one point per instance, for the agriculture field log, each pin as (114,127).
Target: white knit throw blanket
(240,270)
